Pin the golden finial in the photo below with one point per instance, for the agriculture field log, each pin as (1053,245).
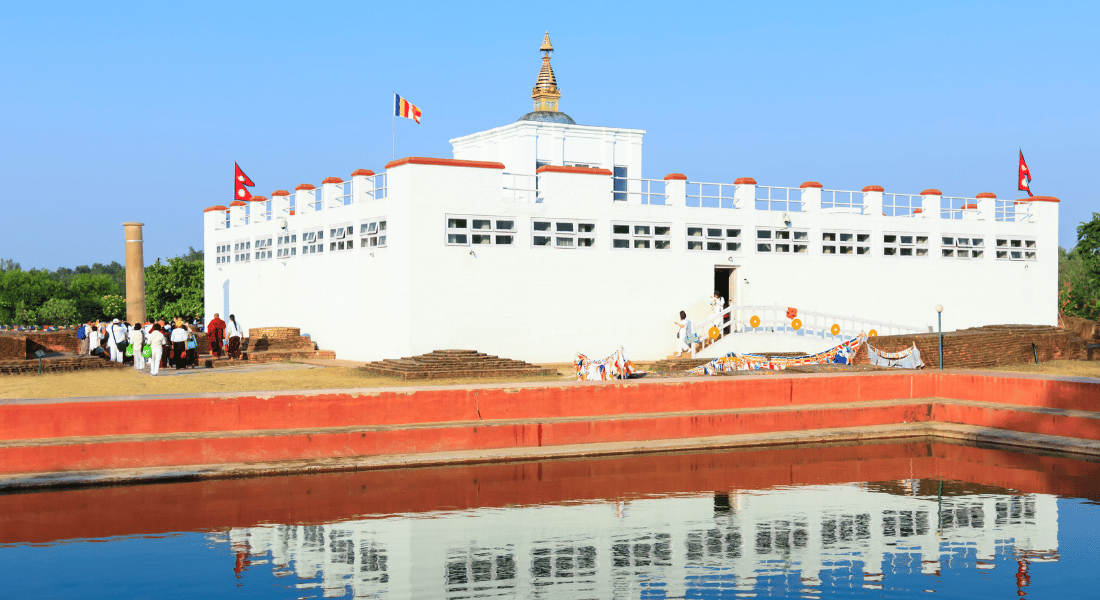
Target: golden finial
(546,93)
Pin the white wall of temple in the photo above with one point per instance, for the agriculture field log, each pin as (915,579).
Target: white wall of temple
(543,303)
(354,302)
(522,144)
(603,548)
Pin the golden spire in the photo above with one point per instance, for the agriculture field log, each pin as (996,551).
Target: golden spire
(546,93)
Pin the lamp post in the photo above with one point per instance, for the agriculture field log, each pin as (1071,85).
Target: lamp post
(939,326)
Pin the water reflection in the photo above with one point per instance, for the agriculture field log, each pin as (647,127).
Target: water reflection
(789,540)
(960,520)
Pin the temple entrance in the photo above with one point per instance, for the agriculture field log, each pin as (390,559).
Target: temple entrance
(725,282)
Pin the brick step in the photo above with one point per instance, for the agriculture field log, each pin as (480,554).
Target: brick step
(465,374)
(132,450)
(265,357)
(410,364)
(57,365)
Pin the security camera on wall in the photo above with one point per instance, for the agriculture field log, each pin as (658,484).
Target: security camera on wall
(282,223)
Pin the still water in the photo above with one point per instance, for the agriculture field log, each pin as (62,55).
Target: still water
(873,521)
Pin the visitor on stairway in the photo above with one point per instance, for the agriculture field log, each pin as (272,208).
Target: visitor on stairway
(683,333)
(234,332)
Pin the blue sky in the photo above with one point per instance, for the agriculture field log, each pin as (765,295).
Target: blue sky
(119,111)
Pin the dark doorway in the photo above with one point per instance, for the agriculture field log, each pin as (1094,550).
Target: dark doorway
(724,282)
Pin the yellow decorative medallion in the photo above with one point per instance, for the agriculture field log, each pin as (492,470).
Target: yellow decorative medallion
(835,329)
(714,333)
(796,324)
(754,322)
(872,333)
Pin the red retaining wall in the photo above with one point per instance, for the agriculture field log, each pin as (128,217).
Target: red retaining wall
(305,425)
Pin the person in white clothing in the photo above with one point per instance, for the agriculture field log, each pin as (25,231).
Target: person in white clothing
(137,340)
(116,336)
(93,337)
(178,337)
(233,334)
(683,333)
(157,342)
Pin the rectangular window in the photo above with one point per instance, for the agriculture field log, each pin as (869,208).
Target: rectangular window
(480,231)
(1015,249)
(313,242)
(962,246)
(782,241)
(561,233)
(854,243)
(619,183)
(340,238)
(641,236)
(222,254)
(242,251)
(286,245)
(372,234)
(263,249)
(904,244)
(714,238)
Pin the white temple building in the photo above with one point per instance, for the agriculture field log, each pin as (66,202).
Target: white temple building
(542,238)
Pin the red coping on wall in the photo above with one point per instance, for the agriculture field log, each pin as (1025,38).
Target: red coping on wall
(258,199)
(238,203)
(917,211)
(970,206)
(332,180)
(1039,199)
(444,162)
(986,195)
(744,181)
(213,208)
(931,192)
(304,186)
(362,173)
(676,177)
(280,193)
(873,188)
(584,170)
(810,184)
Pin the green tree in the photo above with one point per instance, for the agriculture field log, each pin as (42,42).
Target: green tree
(176,288)
(57,311)
(25,290)
(86,290)
(1079,273)
(113,307)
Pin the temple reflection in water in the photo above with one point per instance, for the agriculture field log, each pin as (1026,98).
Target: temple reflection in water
(804,539)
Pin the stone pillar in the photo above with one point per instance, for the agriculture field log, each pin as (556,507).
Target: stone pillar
(135,273)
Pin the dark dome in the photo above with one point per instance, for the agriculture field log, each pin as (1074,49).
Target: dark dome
(546,116)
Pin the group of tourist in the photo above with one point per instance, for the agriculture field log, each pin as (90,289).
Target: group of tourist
(158,344)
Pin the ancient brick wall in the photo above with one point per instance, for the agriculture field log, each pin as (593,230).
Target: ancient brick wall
(1090,330)
(59,341)
(990,346)
(57,365)
(13,347)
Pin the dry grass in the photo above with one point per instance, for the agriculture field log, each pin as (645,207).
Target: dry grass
(1071,368)
(269,377)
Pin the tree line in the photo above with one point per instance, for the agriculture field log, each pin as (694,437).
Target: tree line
(68,296)
(1079,273)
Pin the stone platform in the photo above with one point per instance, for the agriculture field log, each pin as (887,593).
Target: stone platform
(444,364)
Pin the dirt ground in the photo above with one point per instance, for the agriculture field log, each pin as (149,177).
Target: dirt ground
(292,376)
(264,377)
(1071,368)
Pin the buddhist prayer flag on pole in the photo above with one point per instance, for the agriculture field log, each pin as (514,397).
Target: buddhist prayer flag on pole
(240,180)
(1024,176)
(404,108)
